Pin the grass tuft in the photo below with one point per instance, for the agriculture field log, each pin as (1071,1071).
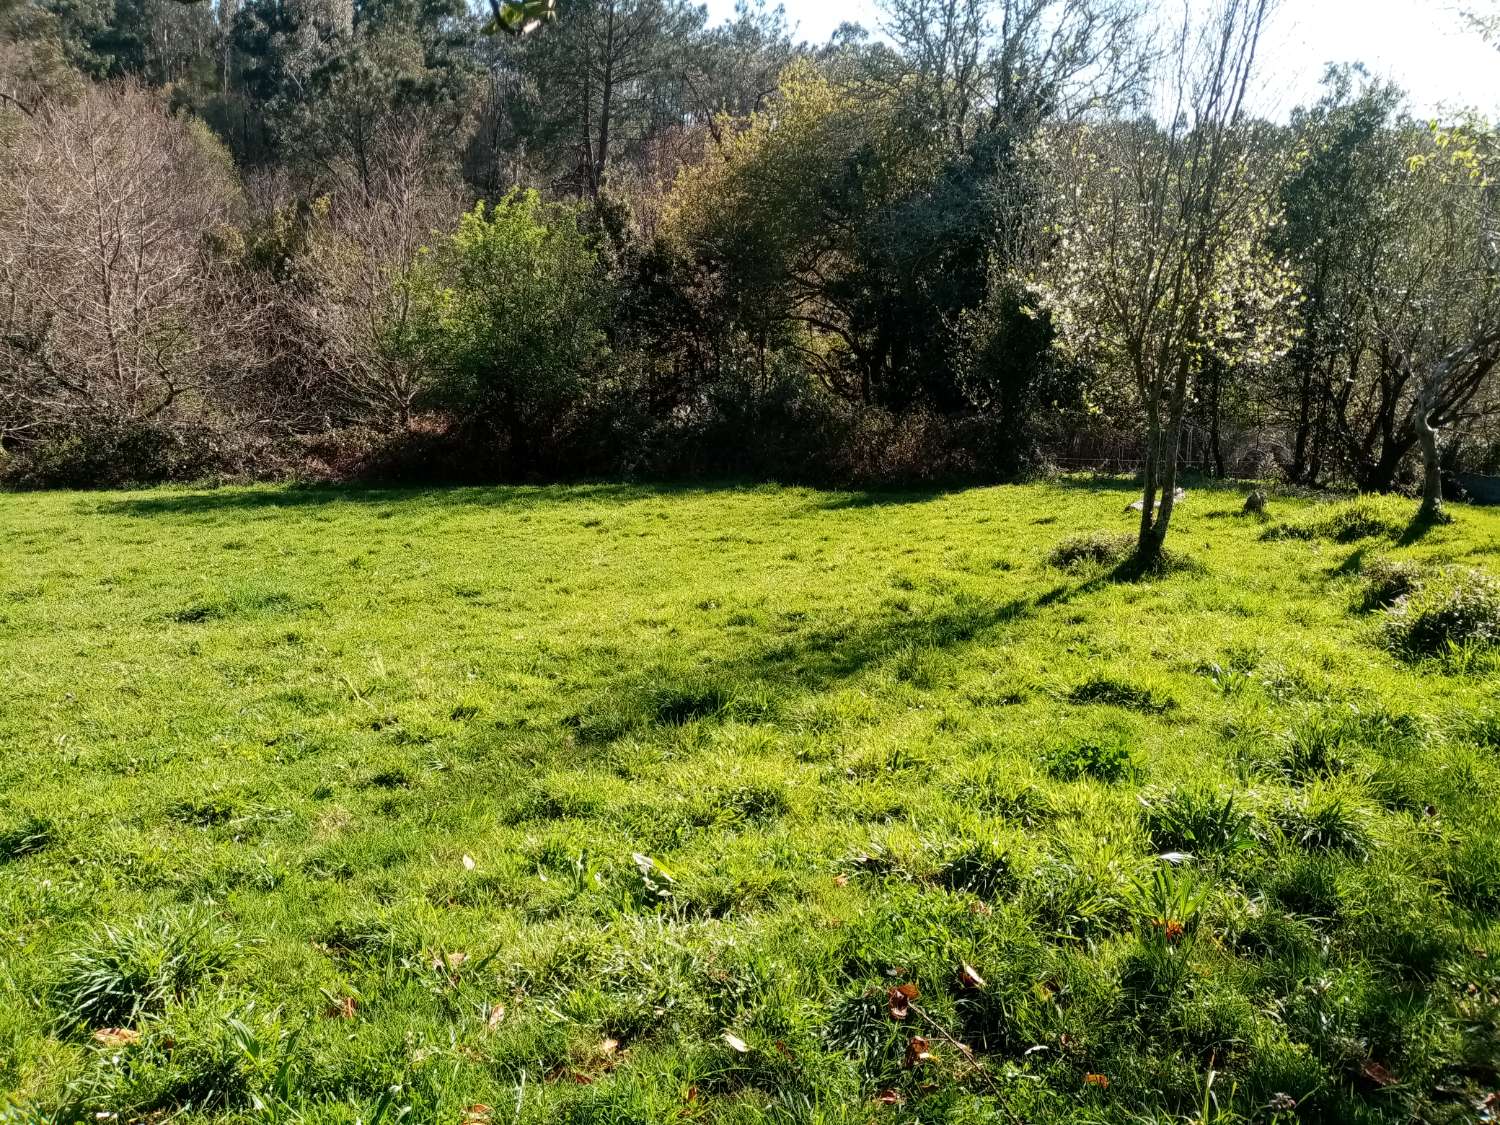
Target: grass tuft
(1350,521)
(118,975)
(1105,692)
(1384,582)
(27,836)
(1458,608)
(1197,820)
(1095,549)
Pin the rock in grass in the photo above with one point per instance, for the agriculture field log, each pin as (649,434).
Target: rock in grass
(1178,496)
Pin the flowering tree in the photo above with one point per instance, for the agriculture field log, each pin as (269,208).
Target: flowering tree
(1158,265)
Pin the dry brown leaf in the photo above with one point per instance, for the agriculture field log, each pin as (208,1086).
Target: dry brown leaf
(454,960)
(841,880)
(969,977)
(344,1009)
(117,1036)
(608,1047)
(1377,1074)
(476,1115)
(1099,1080)
(692,1095)
(918,1051)
(898,1000)
(496,1017)
(890,1097)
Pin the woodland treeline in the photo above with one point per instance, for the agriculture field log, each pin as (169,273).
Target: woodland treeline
(347,239)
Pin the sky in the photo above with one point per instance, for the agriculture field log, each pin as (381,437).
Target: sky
(1421,44)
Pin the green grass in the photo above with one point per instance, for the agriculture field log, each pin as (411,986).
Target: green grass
(618,804)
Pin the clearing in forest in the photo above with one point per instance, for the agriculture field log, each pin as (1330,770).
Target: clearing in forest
(633,804)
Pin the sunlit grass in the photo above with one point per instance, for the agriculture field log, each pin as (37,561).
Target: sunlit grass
(613,803)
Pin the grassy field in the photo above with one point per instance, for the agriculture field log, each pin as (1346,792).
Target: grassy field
(618,804)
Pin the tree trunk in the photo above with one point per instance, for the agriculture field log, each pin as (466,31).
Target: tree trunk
(1148,483)
(1432,468)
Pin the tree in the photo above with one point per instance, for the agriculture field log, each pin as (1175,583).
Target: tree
(1009,65)
(113,313)
(1159,259)
(1390,226)
(1434,290)
(510,310)
(1349,153)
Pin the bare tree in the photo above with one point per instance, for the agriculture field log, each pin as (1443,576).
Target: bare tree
(1014,63)
(1158,260)
(351,317)
(112,311)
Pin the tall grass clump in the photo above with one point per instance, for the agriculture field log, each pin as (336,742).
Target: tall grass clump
(1196,820)
(1097,548)
(1459,608)
(118,975)
(25,837)
(1384,582)
(1368,517)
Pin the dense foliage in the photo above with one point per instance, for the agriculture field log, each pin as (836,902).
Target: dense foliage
(378,237)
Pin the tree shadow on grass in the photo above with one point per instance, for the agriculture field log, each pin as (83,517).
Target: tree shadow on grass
(881,498)
(1084,482)
(749,684)
(1352,565)
(1421,526)
(511,497)
(1128,571)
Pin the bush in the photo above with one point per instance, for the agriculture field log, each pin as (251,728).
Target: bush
(1097,548)
(110,457)
(1460,608)
(511,311)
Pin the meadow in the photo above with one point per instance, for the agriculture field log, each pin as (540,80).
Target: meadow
(610,804)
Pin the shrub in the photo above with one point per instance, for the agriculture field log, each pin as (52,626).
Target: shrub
(1387,581)
(1196,820)
(118,975)
(1097,548)
(511,310)
(111,456)
(1458,608)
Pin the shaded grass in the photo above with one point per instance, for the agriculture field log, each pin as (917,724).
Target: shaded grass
(525,797)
